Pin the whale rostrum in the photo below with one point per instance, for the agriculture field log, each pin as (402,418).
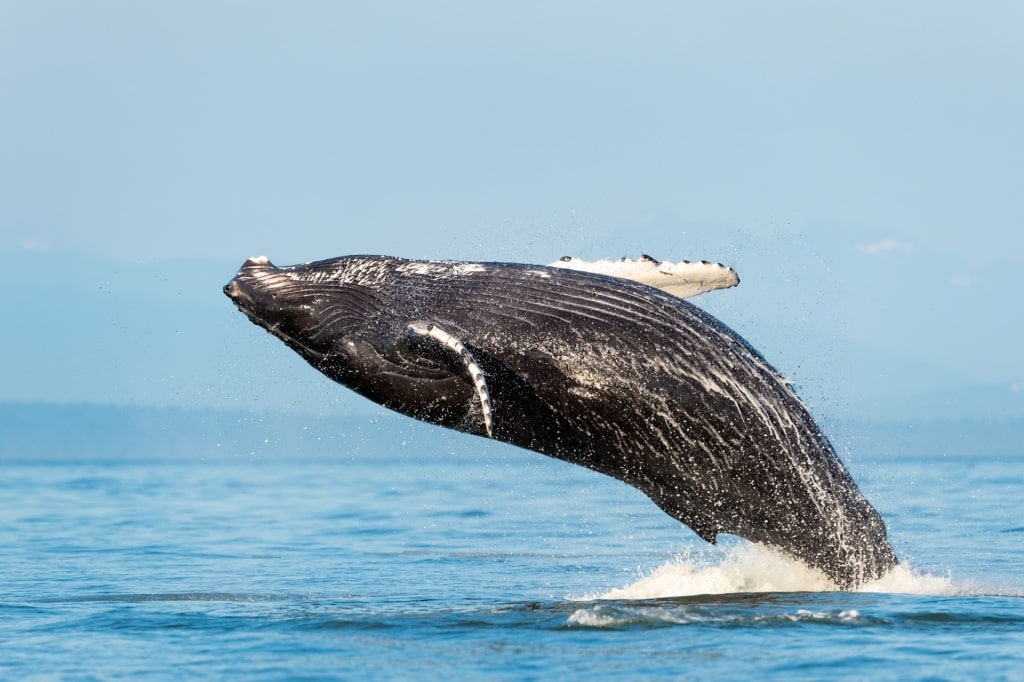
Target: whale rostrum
(592,364)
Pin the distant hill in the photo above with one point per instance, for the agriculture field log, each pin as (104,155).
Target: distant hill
(928,438)
(55,433)
(48,432)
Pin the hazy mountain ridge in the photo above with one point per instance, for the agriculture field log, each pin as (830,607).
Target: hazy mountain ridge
(52,432)
(56,432)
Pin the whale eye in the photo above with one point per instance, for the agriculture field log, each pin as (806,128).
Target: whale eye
(565,259)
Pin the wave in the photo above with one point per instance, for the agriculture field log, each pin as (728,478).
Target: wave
(619,616)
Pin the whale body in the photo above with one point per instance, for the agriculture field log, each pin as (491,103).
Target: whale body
(600,371)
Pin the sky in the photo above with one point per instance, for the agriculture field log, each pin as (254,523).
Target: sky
(860,165)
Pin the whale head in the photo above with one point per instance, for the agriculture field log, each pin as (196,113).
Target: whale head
(341,316)
(310,308)
(279,301)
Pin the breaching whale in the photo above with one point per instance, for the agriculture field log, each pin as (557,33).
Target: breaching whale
(595,369)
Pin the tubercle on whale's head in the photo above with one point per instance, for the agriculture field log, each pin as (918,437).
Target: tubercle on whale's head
(254,291)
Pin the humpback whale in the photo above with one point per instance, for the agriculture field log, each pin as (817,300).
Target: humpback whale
(591,363)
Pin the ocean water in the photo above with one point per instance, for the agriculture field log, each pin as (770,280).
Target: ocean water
(478,561)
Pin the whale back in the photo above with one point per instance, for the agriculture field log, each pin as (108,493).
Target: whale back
(608,374)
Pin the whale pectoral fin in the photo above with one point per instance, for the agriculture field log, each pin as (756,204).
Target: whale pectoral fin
(682,279)
(441,341)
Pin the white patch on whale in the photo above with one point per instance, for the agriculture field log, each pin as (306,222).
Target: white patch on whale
(683,279)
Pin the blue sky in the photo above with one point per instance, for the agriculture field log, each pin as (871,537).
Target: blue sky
(860,166)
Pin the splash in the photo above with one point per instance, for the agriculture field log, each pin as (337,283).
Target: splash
(754,568)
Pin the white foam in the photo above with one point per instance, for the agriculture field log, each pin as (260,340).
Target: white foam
(904,579)
(598,617)
(754,568)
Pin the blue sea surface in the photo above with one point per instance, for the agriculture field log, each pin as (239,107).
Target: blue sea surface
(478,561)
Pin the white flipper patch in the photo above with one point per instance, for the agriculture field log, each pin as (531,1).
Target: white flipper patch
(682,279)
(475,372)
